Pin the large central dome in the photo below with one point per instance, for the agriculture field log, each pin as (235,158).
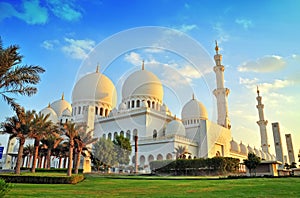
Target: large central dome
(142,83)
(95,87)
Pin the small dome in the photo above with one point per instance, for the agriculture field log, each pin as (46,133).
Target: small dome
(122,106)
(194,110)
(243,149)
(234,146)
(67,112)
(262,154)
(60,105)
(95,87)
(142,83)
(113,112)
(257,153)
(52,115)
(250,149)
(175,127)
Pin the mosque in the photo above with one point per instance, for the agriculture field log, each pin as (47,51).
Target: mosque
(143,113)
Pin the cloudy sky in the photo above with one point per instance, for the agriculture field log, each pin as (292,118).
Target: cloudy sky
(259,41)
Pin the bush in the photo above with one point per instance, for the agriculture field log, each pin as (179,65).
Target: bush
(208,166)
(4,187)
(43,179)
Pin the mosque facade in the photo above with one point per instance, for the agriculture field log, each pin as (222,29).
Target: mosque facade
(142,113)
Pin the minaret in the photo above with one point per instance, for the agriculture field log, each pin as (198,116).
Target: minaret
(277,142)
(262,123)
(290,149)
(221,92)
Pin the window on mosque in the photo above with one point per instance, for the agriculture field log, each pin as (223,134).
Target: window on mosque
(132,104)
(153,105)
(109,136)
(154,134)
(122,133)
(101,111)
(138,103)
(115,135)
(106,112)
(79,110)
(128,105)
(148,102)
(96,110)
(128,134)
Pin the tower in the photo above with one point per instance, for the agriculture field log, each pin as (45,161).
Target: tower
(290,149)
(262,123)
(277,141)
(221,93)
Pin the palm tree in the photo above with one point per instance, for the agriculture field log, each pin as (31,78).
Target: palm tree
(28,151)
(72,131)
(40,126)
(50,142)
(19,126)
(16,79)
(180,151)
(84,139)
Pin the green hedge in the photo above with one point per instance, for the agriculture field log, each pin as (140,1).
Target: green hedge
(56,170)
(202,166)
(42,179)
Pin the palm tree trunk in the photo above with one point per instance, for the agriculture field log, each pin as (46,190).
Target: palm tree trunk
(39,161)
(35,154)
(70,164)
(60,161)
(20,154)
(77,161)
(48,158)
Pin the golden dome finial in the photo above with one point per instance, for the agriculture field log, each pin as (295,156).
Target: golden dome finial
(49,105)
(143,65)
(97,68)
(193,96)
(63,96)
(217,47)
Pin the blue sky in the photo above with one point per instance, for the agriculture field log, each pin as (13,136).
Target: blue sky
(259,41)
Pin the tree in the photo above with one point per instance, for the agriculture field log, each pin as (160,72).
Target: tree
(15,78)
(103,151)
(28,151)
(180,151)
(252,162)
(40,127)
(82,141)
(19,126)
(72,131)
(123,149)
(51,141)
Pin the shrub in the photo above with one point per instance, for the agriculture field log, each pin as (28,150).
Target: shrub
(4,187)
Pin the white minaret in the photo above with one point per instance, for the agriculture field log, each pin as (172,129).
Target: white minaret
(221,92)
(290,149)
(262,123)
(277,143)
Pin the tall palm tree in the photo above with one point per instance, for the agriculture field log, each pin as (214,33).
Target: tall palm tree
(28,151)
(40,126)
(83,140)
(51,141)
(19,126)
(15,78)
(72,131)
(180,151)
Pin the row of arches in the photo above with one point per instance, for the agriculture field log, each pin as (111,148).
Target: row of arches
(127,134)
(101,111)
(138,103)
(191,121)
(78,110)
(150,158)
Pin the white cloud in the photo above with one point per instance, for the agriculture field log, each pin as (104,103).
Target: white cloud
(186,28)
(223,36)
(49,44)
(32,13)
(78,49)
(134,58)
(265,64)
(189,72)
(64,9)
(245,23)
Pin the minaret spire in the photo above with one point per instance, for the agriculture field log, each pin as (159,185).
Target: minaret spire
(63,96)
(193,96)
(49,105)
(221,93)
(262,123)
(143,65)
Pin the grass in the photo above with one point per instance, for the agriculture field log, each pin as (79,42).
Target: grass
(135,186)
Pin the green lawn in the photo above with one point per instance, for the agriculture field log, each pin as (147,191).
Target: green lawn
(99,186)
